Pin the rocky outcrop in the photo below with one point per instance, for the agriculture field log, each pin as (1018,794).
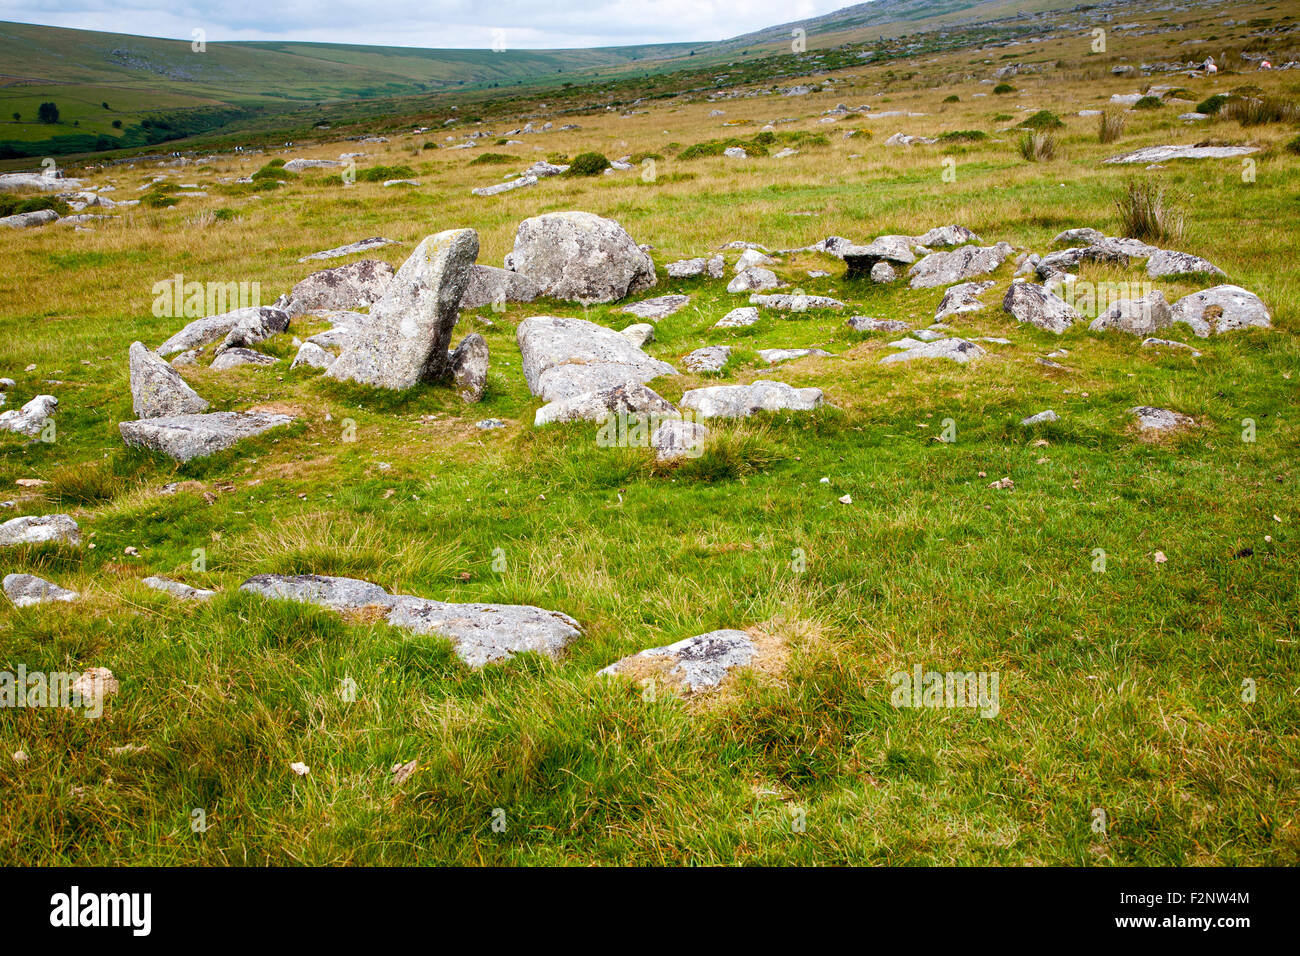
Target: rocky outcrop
(563,358)
(958,265)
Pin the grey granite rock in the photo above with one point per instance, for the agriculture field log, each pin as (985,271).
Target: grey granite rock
(957,265)
(27,589)
(1035,305)
(580,257)
(40,529)
(695,664)
(674,440)
(741,401)
(157,389)
(357,285)
(183,437)
(564,358)
(710,358)
(1224,308)
(178,590)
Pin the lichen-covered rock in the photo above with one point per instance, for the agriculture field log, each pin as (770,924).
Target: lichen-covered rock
(865,323)
(741,401)
(754,279)
(862,259)
(962,298)
(1035,305)
(738,318)
(312,355)
(710,358)
(1144,316)
(690,268)
(947,236)
(409,332)
(1150,418)
(580,257)
(564,358)
(1042,418)
(960,351)
(1224,308)
(357,285)
(469,367)
(25,220)
(658,308)
(641,334)
(957,265)
(673,440)
(1168,263)
(40,529)
(695,664)
(488,285)
(27,589)
(628,398)
(480,633)
(254,326)
(201,332)
(183,437)
(32,418)
(157,389)
(235,357)
(883,273)
(178,590)
(772,356)
(798,302)
(352,248)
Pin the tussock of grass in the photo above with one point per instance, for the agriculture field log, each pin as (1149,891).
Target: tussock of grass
(1038,147)
(1110,125)
(1146,212)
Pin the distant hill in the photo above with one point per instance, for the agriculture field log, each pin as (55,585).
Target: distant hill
(114,90)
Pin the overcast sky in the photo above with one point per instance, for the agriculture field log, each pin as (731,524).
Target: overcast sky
(426,23)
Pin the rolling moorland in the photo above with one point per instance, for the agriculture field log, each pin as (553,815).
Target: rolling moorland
(1135,589)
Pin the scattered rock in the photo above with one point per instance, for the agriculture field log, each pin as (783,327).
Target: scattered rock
(675,439)
(409,332)
(690,268)
(882,273)
(480,633)
(580,257)
(947,236)
(772,356)
(234,357)
(710,358)
(488,285)
(564,358)
(469,368)
(298,165)
(40,529)
(254,327)
(1159,154)
(183,437)
(27,589)
(696,664)
(862,259)
(1027,302)
(657,308)
(1136,316)
(204,331)
(25,220)
(504,187)
(310,355)
(741,401)
(1167,263)
(755,279)
(1169,344)
(31,419)
(738,318)
(957,265)
(627,398)
(1160,419)
(958,350)
(639,334)
(157,389)
(799,302)
(863,323)
(1041,418)
(357,285)
(962,298)
(178,590)
(364,245)
(1224,308)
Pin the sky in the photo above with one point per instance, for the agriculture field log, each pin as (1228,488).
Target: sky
(523,24)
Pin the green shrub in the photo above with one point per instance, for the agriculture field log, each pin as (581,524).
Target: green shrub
(377,174)
(223,214)
(1002,117)
(15,205)
(954,98)
(587,164)
(491,159)
(1148,103)
(158,200)
(1003,88)
(963,136)
(1293,145)
(1042,120)
(1212,105)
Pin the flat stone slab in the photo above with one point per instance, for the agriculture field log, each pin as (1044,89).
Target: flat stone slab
(363,245)
(738,318)
(772,356)
(564,358)
(40,529)
(864,323)
(957,265)
(183,437)
(480,633)
(795,303)
(178,590)
(216,327)
(695,664)
(754,279)
(741,401)
(957,350)
(27,589)
(1158,154)
(1166,262)
(657,308)
(1042,418)
(710,358)
(235,357)
(1160,419)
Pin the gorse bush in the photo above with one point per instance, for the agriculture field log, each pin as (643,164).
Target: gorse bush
(1148,103)
(1212,105)
(491,159)
(1043,120)
(1146,212)
(1003,88)
(963,136)
(377,174)
(588,164)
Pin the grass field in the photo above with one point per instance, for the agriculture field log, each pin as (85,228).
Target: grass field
(1120,690)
